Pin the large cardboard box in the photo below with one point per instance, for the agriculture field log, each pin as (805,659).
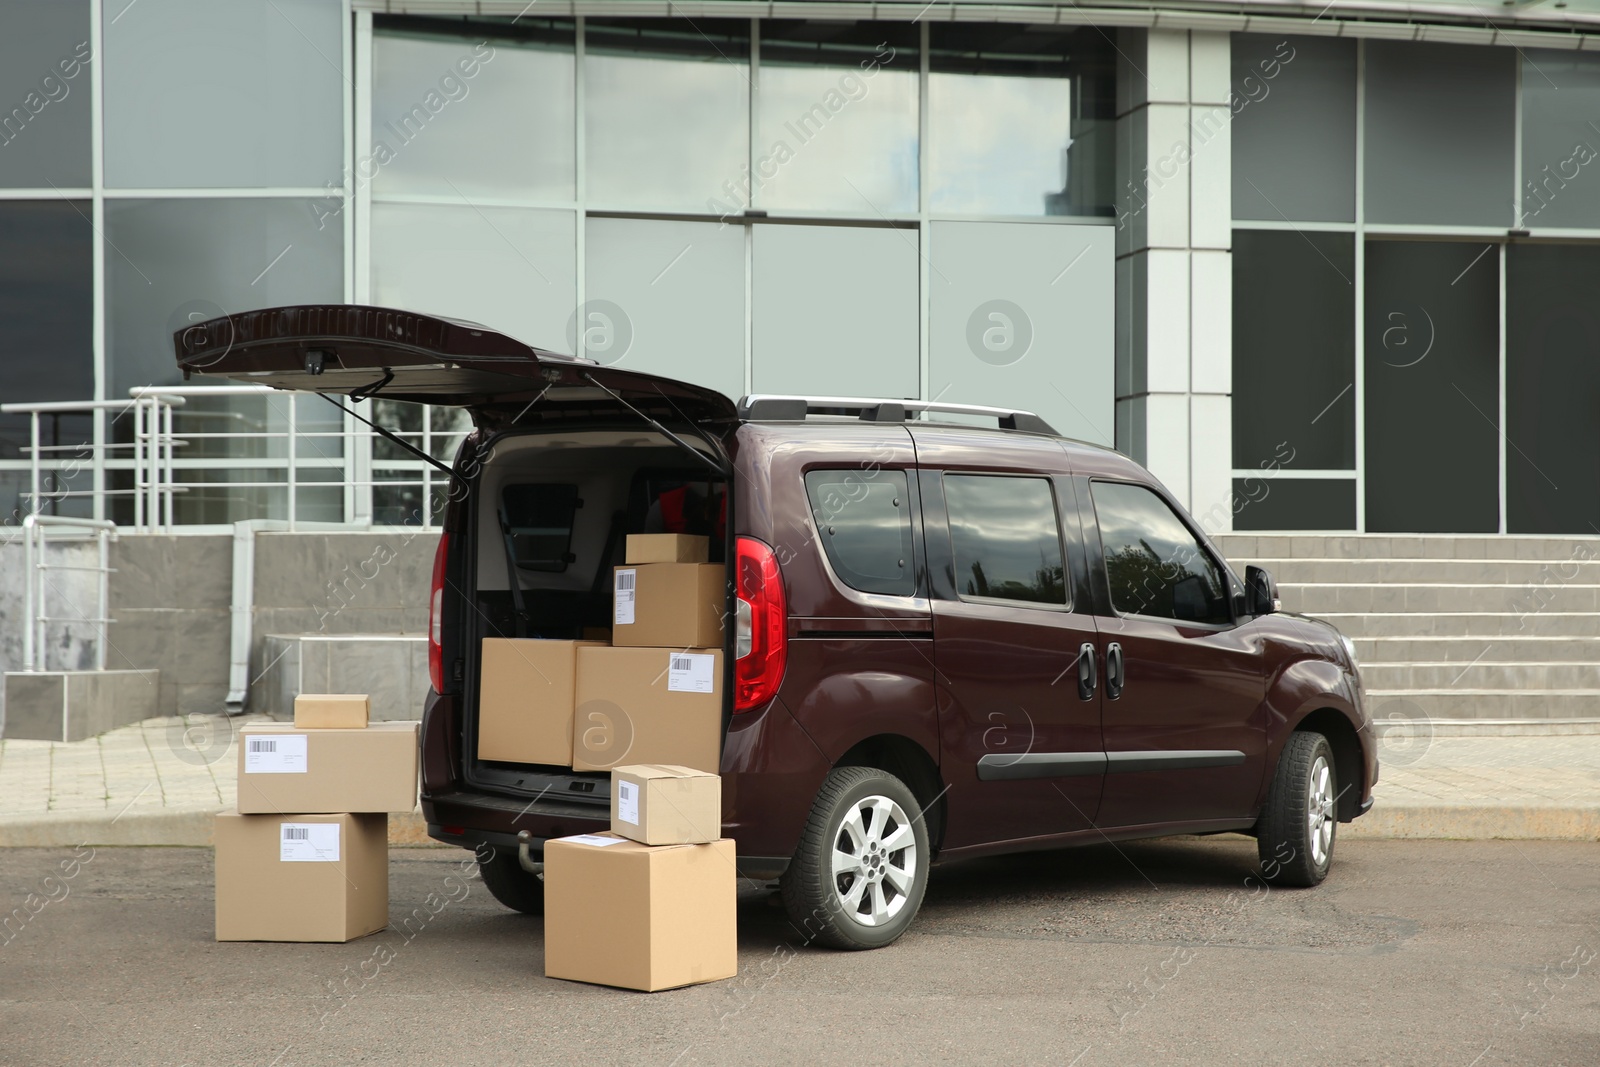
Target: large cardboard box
(331,711)
(667,548)
(283,768)
(301,877)
(663,804)
(638,916)
(669,605)
(525,701)
(648,705)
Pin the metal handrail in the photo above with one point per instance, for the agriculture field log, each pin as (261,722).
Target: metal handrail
(35,580)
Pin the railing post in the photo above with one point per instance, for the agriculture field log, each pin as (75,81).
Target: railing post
(105,599)
(27,595)
(138,463)
(167,478)
(294,425)
(33,464)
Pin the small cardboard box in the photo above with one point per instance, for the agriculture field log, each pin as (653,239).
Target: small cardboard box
(525,700)
(283,768)
(638,916)
(661,804)
(667,548)
(331,711)
(301,877)
(669,605)
(648,705)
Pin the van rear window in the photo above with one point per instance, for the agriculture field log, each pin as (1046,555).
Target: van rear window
(864,523)
(538,521)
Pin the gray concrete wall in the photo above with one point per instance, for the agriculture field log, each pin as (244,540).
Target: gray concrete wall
(70,594)
(171,597)
(392,669)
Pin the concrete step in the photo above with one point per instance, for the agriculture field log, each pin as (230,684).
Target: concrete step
(74,705)
(1546,574)
(1316,598)
(1455,703)
(1459,624)
(1248,548)
(1464,650)
(1484,674)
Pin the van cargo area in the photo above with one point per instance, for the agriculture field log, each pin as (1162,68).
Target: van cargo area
(547,519)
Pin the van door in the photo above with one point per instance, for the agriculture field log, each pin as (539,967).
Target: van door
(1019,701)
(1185,722)
(401,355)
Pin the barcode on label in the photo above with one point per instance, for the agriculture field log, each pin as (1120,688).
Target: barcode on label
(682,663)
(263,744)
(296,833)
(625,580)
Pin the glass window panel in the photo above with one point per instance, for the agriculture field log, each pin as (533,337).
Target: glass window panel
(864,523)
(1432,387)
(46,316)
(836,124)
(171,263)
(1552,389)
(1560,139)
(1021,121)
(511,269)
(224,94)
(438,101)
(1293,128)
(667,113)
(1294,348)
(1153,563)
(1267,503)
(1006,538)
(1441,130)
(834,306)
(1048,346)
(666,297)
(44,94)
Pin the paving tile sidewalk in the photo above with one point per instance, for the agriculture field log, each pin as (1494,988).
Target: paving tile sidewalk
(159,782)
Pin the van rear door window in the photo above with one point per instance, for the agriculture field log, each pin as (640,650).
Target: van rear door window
(1006,538)
(538,520)
(864,523)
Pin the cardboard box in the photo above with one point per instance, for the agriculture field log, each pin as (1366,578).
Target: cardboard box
(525,700)
(301,877)
(331,711)
(669,605)
(662,804)
(283,768)
(667,548)
(648,705)
(624,914)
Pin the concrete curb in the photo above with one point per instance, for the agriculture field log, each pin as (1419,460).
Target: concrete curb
(188,827)
(191,827)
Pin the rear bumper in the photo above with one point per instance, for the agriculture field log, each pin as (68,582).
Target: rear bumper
(470,820)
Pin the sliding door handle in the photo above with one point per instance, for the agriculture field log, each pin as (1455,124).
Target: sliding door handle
(1114,671)
(1088,677)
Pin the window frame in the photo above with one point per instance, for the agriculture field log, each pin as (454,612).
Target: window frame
(1232,588)
(1068,575)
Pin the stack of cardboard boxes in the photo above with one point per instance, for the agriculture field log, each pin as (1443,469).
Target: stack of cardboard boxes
(652,694)
(305,857)
(649,905)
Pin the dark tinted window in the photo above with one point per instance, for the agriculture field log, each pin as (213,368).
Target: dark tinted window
(864,523)
(1154,564)
(1005,537)
(538,520)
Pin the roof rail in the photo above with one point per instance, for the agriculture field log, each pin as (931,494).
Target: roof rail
(776,407)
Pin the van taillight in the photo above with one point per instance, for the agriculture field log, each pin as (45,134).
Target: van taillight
(762,639)
(436,616)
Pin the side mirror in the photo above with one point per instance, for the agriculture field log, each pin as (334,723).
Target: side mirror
(1261,591)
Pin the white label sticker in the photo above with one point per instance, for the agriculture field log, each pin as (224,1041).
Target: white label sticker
(598,840)
(309,842)
(622,613)
(628,802)
(691,673)
(275,754)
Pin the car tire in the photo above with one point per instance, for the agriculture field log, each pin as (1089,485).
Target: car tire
(508,883)
(864,893)
(1295,836)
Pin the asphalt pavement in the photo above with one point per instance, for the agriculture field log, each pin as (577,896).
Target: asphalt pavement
(1450,953)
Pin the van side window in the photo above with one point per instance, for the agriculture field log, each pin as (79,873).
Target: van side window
(1154,564)
(1006,538)
(864,523)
